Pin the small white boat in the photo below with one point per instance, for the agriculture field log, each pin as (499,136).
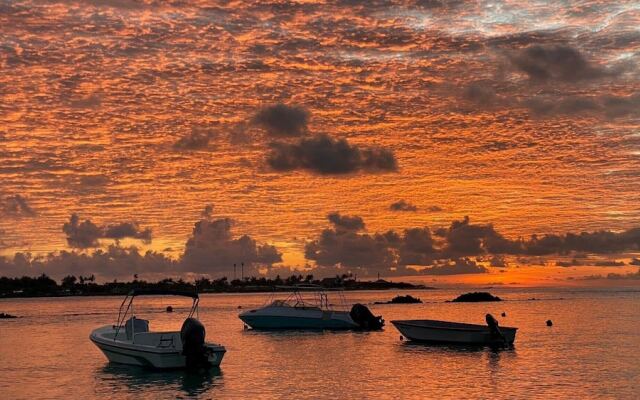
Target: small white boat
(129,341)
(431,331)
(301,310)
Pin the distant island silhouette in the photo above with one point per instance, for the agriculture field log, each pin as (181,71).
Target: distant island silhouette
(45,286)
(475,297)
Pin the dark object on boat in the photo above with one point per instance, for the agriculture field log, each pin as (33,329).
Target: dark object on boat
(7,316)
(504,314)
(192,335)
(361,315)
(549,322)
(476,297)
(169,309)
(408,299)
(494,330)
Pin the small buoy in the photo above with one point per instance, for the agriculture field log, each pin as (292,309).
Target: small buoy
(549,322)
(504,314)
(239,307)
(169,309)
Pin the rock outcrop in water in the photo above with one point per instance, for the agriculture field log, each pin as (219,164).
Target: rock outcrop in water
(7,316)
(476,297)
(408,299)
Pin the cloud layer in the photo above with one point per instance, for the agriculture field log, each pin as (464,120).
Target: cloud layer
(213,249)
(447,250)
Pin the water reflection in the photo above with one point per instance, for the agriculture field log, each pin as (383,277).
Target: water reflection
(138,379)
(287,333)
(454,348)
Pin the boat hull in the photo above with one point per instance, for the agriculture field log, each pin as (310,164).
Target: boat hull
(146,356)
(285,318)
(431,331)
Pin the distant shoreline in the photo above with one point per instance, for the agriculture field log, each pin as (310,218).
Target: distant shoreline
(43,286)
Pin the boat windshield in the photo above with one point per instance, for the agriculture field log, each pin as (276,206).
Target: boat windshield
(306,297)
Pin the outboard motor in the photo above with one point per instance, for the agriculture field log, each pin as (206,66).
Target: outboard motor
(494,330)
(192,335)
(361,315)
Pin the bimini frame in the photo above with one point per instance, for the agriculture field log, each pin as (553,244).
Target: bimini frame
(318,297)
(123,312)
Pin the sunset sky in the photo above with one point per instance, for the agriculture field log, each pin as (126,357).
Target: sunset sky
(338,136)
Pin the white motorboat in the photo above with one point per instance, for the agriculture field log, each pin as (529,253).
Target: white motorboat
(308,307)
(130,341)
(431,331)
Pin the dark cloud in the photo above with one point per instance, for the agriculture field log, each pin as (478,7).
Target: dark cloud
(327,156)
(127,230)
(86,234)
(556,63)
(94,180)
(346,222)
(16,206)
(212,249)
(196,140)
(541,106)
(416,247)
(597,263)
(614,276)
(621,106)
(631,275)
(465,239)
(81,234)
(609,263)
(498,261)
(609,107)
(367,253)
(480,93)
(402,205)
(281,120)
(350,249)
(458,266)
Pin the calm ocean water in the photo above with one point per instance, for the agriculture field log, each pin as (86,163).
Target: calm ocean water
(592,351)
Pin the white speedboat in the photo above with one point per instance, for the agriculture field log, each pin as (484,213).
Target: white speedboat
(130,341)
(431,331)
(309,310)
